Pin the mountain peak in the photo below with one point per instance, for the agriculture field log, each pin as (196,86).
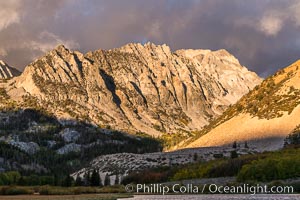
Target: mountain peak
(61,49)
(148,46)
(137,87)
(223,52)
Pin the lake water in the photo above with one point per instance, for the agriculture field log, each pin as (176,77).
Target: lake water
(217,197)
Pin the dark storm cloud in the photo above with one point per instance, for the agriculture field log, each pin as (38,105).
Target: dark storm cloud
(262,34)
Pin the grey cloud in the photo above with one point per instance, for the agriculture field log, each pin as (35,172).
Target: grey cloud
(262,34)
(9,13)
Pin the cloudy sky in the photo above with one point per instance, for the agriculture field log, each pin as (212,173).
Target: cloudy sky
(263,34)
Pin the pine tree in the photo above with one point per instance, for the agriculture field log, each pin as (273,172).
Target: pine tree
(95,178)
(107,180)
(195,157)
(68,181)
(117,180)
(233,154)
(87,179)
(78,181)
(22,181)
(234,145)
(56,181)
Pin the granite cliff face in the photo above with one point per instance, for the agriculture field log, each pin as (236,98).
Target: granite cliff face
(135,88)
(7,71)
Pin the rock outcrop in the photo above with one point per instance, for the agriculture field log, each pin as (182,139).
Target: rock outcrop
(122,164)
(136,88)
(7,71)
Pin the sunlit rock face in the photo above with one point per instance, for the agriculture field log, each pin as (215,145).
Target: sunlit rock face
(137,88)
(263,118)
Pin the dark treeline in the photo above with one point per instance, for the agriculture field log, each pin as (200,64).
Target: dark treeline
(89,179)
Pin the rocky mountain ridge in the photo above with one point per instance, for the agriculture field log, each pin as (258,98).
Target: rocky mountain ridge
(264,117)
(135,88)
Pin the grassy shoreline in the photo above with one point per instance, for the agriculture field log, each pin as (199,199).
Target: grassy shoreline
(56,190)
(67,197)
